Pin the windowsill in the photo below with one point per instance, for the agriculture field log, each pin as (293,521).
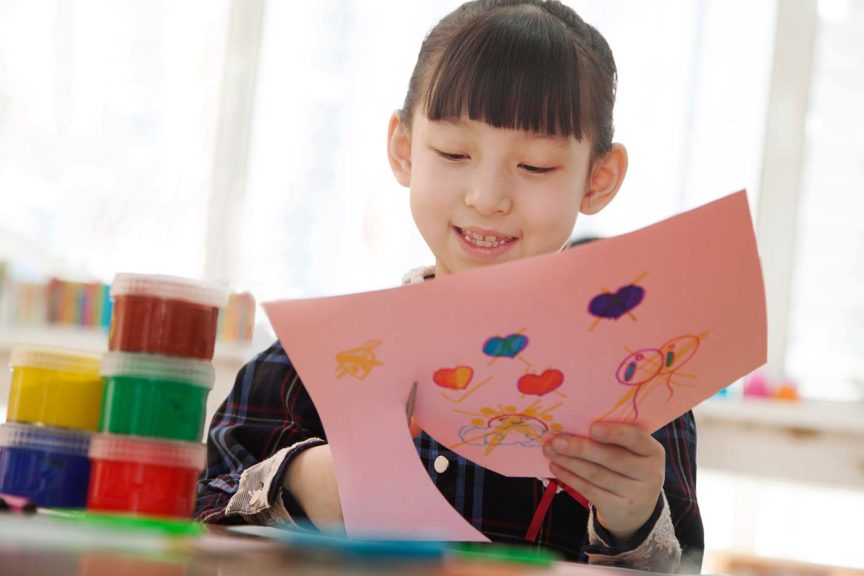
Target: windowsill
(812,415)
(806,441)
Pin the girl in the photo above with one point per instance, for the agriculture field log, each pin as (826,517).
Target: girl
(504,137)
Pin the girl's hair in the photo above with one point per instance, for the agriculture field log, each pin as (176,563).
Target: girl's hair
(523,64)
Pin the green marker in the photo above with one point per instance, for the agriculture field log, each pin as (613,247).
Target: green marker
(164,526)
(503,553)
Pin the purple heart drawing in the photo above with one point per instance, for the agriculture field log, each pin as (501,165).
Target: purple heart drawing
(613,306)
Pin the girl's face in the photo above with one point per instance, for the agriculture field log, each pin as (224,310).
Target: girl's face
(483,195)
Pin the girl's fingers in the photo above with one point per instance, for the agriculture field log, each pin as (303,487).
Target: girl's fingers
(626,436)
(602,499)
(595,474)
(609,456)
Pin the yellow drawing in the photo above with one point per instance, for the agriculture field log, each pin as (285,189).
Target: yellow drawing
(467,393)
(507,425)
(358,362)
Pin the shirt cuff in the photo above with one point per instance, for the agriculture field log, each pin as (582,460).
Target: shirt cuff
(259,497)
(654,547)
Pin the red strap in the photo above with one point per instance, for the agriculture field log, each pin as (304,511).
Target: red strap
(545,502)
(575,495)
(540,512)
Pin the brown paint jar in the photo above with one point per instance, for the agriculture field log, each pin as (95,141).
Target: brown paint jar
(165,315)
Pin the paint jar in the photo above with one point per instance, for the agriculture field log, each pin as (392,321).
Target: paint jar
(158,396)
(143,476)
(55,387)
(165,315)
(47,465)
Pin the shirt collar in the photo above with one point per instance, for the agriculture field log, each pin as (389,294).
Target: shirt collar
(418,275)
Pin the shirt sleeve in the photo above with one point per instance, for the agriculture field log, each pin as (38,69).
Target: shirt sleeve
(654,548)
(673,538)
(679,439)
(266,420)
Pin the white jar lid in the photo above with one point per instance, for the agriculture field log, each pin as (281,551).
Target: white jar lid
(29,436)
(145,450)
(60,359)
(157,367)
(170,288)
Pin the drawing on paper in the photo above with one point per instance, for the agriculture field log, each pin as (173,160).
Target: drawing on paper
(457,378)
(504,425)
(643,371)
(468,392)
(509,426)
(510,346)
(358,362)
(453,378)
(612,306)
(541,384)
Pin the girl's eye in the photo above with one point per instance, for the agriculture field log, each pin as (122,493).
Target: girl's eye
(536,169)
(451,156)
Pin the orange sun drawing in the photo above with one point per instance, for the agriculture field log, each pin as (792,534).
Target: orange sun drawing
(507,426)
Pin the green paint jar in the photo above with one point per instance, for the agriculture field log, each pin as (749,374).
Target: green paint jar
(155,396)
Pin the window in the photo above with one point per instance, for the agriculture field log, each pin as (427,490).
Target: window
(324,215)
(108,112)
(826,334)
(110,115)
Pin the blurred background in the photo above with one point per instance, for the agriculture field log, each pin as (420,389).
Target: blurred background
(244,141)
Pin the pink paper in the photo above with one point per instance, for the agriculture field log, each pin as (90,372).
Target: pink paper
(637,328)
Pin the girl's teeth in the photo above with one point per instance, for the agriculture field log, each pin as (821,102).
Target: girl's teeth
(480,240)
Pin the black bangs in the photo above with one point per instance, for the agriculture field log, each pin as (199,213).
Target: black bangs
(517,69)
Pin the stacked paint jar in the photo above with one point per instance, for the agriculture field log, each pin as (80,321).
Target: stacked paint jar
(158,373)
(54,406)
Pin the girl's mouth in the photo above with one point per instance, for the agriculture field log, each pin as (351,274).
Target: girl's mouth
(484,241)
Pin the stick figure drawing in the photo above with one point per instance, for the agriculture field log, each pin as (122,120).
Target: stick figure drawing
(644,370)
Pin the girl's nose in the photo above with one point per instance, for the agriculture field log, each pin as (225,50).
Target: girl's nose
(490,193)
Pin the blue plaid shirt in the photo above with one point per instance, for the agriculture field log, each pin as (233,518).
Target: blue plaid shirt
(269,410)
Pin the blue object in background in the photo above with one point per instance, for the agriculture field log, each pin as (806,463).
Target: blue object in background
(310,540)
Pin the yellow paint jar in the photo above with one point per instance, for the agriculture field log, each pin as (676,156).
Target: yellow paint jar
(55,387)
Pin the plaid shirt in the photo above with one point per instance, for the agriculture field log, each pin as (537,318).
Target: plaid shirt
(268,418)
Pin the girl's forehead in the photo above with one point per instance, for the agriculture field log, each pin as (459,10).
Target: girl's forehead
(466,126)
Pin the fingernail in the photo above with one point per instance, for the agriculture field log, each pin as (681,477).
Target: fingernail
(559,444)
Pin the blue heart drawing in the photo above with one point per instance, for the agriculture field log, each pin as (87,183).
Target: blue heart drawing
(615,305)
(508,347)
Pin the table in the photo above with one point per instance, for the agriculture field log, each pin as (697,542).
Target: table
(42,546)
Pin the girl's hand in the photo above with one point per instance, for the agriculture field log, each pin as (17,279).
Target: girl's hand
(619,469)
(311,478)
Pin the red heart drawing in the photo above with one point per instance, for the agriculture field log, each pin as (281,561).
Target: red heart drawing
(546,382)
(455,378)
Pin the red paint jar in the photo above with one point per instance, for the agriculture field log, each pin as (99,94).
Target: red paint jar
(165,315)
(144,476)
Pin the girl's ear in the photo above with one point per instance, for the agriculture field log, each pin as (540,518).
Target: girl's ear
(607,174)
(399,149)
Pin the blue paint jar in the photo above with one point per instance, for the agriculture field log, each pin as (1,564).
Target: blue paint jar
(47,465)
